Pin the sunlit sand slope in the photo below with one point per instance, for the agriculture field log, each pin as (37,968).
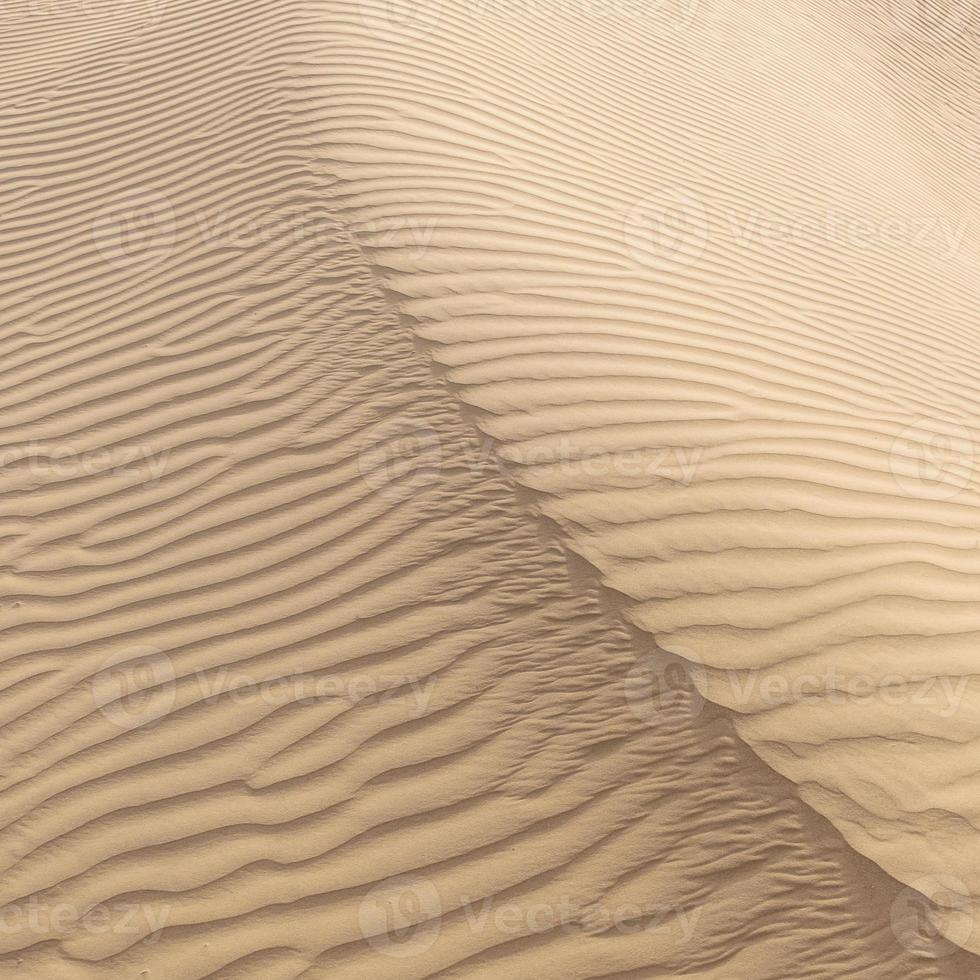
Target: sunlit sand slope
(291,686)
(707,273)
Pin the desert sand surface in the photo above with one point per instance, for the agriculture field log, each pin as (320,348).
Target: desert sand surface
(487,489)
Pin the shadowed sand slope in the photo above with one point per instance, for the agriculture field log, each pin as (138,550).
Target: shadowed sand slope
(291,684)
(707,273)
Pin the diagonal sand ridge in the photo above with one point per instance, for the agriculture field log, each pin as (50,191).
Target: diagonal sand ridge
(294,684)
(711,285)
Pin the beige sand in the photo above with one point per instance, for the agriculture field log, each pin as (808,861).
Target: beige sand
(713,287)
(299,679)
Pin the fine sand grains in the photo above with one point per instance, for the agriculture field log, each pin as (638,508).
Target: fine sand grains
(707,274)
(292,683)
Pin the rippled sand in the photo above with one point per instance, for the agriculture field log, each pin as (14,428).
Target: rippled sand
(489,489)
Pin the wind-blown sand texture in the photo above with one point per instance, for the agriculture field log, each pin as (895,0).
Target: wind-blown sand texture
(306,672)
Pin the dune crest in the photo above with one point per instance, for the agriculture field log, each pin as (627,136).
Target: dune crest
(291,685)
(709,283)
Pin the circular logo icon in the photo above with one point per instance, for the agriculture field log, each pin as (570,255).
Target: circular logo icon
(135,686)
(400,459)
(933,458)
(669,229)
(400,917)
(136,231)
(664,690)
(400,20)
(934,916)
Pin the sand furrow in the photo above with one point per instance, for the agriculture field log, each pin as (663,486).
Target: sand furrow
(724,295)
(293,683)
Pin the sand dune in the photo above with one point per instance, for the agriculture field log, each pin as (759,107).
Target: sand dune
(304,677)
(707,280)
